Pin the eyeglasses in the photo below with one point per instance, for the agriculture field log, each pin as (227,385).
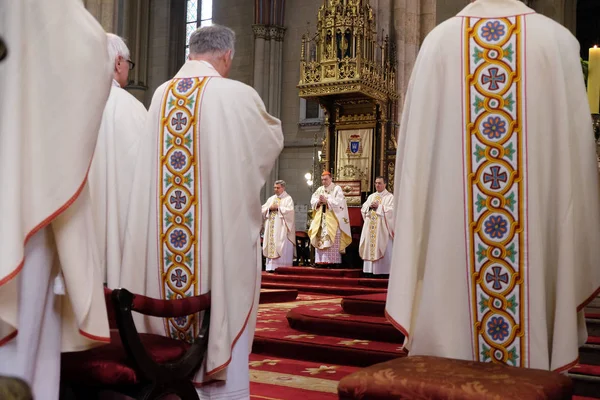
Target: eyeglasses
(131,64)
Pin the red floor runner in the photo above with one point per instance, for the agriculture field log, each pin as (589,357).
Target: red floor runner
(324,280)
(337,290)
(287,379)
(585,369)
(332,320)
(367,304)
(274,336)
(277,295)
(348,273)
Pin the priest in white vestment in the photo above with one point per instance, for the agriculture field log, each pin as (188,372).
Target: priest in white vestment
(329,230)
(497,214)
(376,239)
(280,228)
(111,172)
(51,295)
(194,219)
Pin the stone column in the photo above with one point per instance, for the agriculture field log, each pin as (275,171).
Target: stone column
(105,11)
(268,73)
(136,31)
(413,20)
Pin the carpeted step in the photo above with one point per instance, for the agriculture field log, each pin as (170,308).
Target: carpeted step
(277,295)
(586,379)
(347,273)
(274,336)
(592,322)
(325,280)
(337,290)
(332,320)
(368,304)
(595,302)
(589,353)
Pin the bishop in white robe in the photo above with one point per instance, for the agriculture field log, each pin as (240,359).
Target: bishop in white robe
(194,219)
(111,172)
(329,230)
(280,228)
(376,239)
(498,213)
(51,295)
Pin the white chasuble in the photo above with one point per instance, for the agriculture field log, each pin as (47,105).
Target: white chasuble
(111,174)
(51,103)
(280,225)
(194,218)
(330,220)
(497,213)
(378,228)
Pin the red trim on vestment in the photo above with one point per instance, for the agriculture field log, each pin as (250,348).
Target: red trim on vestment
(588,300)
(8,337)
(37,228)
(42,225)
(396,324)
(94,337)
(567,366)
(223,366)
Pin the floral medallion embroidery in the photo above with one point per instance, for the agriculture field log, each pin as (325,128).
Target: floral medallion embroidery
(495,179)
(179,200)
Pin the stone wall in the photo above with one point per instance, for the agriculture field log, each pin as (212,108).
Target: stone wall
(239,16)
(297,156)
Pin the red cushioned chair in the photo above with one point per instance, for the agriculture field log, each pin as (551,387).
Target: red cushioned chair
(143,366)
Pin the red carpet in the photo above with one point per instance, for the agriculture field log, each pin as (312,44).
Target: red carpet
(368,304)
(277,295)
(583,369)
(347,273)
(337,290)
(325,280)
(275,337)
(286,379)
(593,340)
(332,320)
(593,315)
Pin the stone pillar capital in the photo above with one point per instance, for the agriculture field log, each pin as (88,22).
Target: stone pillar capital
(260,31)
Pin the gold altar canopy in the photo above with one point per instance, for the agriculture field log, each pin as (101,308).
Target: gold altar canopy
(353,76)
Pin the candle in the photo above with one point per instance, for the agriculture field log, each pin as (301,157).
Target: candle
(594,80)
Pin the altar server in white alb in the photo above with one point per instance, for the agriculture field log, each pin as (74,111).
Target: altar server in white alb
(51,296)
(111,172)
(194,218)
(280,228)
(497,207)
(376,239)
(329,230)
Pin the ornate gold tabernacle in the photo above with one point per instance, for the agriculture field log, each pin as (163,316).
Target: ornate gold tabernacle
(353,76)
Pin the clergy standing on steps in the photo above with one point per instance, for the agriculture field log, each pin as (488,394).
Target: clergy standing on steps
(329,230)
(51,295)
(194,218)
(111,172)
(497,206)
(280,228)
(376,239)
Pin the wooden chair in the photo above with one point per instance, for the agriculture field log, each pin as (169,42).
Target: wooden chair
(143,366)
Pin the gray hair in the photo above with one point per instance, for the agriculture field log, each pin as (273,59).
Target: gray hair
(212,39)
(280,182)
(116,47)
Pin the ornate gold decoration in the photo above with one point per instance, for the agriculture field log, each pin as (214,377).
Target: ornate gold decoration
(351,71)
(344,56)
